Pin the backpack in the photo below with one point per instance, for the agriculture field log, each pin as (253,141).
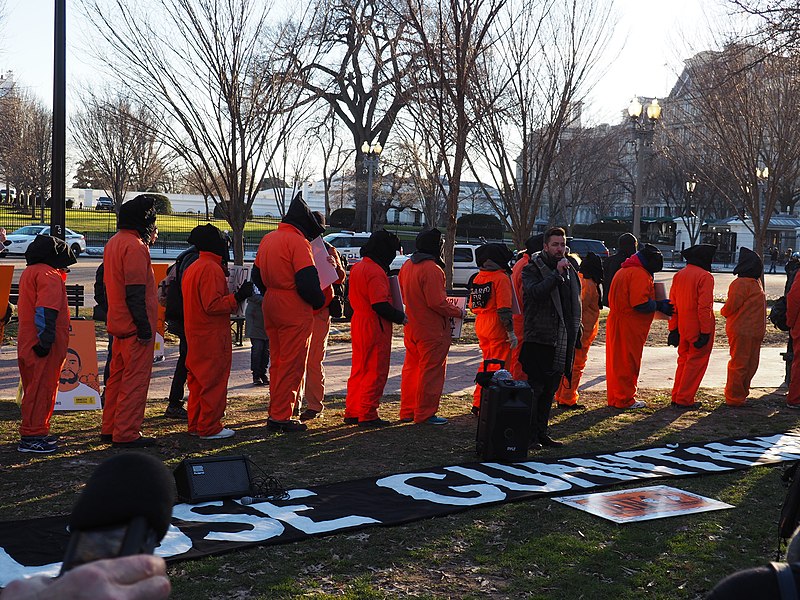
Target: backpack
(170,295)
(778,314)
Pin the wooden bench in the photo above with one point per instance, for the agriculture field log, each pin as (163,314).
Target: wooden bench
(75,296)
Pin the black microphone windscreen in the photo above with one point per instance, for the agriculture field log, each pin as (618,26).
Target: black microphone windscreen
(124,487)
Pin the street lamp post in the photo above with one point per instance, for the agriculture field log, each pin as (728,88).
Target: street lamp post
(691,185)
(372,155)
(762,173)
(643,124)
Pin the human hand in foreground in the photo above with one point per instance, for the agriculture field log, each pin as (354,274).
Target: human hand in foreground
(139,577)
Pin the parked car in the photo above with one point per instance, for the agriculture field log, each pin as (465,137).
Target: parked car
(24,235)
(348,244)
(104,203)
(582,247)
(464,264)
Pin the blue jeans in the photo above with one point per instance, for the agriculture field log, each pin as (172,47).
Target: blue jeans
(259,357)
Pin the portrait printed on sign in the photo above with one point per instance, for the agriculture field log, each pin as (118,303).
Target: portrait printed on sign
(78,386)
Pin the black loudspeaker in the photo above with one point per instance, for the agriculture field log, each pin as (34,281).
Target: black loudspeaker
(201,479)
(504,422)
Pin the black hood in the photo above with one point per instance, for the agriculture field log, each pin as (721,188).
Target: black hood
(749,265)
(208,238)
(626,244)
(535,243)
(499,254)
(700,255)
(651,258)
(592,267)
(430,244)
(301,217)
(382,247)
(50,251)
(138,214)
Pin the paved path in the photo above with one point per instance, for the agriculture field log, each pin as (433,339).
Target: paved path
(658,370)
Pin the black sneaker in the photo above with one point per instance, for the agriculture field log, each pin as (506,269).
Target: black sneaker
(140,442)
(106,438)
(288,426)
(374,423)
(37,445)
(693,406)
(571,406)
(476,411)
(265,380)
(309,414)
(350,420)
(174,411)
(257,381)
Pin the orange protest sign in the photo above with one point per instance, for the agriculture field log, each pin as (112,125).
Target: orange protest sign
(78,384)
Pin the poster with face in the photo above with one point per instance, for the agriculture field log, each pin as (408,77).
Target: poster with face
(78,384)
(237,275)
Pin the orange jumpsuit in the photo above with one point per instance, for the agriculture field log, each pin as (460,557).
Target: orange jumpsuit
(207,306)
(626,331)
(314,382)
(126,261)
(288,319)
(371,339)
(692,295)
(793,321)
(746,314)
(590,320)
(426,338)
(519,320)
(491,290)
(40,286)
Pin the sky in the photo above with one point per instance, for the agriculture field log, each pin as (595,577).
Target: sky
(652,38)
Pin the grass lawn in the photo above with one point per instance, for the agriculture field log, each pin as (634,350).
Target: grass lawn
(532,549)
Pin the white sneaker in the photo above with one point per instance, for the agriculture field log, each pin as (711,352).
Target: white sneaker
(225,433)
(638,404)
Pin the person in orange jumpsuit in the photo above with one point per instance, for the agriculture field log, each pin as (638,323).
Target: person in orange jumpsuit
(691,328)
(746,314)
(591,276)
(371,329)
(314,381)
(532,245)
(632,302)
(793,321)
(207,306)
(626,247)
(42,338)
(490,299)
(132,314)
(284,271)
(427,334)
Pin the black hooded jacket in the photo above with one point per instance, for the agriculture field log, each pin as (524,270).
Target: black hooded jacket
(749,265)
(50,251)
(499,254)
(700,255)
(208,238)
(626,247)
(382,247)
(301,217)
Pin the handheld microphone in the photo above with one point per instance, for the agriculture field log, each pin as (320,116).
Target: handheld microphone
(124,509)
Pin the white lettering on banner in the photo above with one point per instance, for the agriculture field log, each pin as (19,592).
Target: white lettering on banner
(614,460)
(174,543)
(11,569)
(742,455)
(399,483)
(665,454)
(548,484)
(526,469)
(288,514)
(262,529)
(624,469)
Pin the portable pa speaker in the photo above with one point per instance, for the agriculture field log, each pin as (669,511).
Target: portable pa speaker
(504,422)
(201,479)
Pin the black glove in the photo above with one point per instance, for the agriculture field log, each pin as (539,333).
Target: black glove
(41,351)
(674,338)
(244,292)
(702,340)
(665,306)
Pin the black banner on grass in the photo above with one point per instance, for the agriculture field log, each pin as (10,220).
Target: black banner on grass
(36,546)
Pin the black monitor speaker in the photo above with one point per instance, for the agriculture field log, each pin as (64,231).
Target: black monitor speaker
(214,478)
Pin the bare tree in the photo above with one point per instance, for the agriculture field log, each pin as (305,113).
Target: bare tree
(218,73)
(358,68)
(778,25)
(538,76)
(454,38)
(737,118)
(334,154)
(417,151)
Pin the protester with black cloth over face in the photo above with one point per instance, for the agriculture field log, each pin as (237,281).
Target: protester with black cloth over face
(371,329)
(626,247)
(551,294)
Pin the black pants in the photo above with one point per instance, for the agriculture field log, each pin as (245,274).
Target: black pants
(537,362)
(259,357)
(179,378)
(107,368)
